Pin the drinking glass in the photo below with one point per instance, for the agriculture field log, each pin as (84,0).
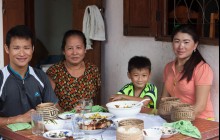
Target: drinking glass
(77,120)
(86,105)
(37,122)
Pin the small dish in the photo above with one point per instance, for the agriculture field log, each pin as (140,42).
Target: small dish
(65,116)
(166,131)
(98,115)
(54,124)
(61,134)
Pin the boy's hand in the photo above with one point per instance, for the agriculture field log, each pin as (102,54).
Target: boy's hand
(116,97)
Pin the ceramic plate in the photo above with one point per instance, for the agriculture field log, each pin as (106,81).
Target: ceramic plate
(65,116)
(99,115)
(57,134)
(92,132)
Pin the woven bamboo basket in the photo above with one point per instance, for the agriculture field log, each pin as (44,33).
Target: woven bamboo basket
(48,110)
(166,105)
(134,122)
(182,112)
(128,135)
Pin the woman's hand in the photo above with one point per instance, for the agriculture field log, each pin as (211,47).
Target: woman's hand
(78,108)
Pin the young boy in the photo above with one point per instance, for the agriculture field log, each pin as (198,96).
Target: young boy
(22,87)
(139,69)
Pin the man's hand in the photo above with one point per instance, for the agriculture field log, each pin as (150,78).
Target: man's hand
(26,117)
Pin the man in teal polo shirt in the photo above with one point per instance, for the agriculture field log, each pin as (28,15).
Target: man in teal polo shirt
(22,87)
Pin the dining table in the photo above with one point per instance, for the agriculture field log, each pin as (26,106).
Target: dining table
(209,131)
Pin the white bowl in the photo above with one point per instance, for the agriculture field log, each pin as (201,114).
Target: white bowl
(54,124)
(124,108)
(152,134)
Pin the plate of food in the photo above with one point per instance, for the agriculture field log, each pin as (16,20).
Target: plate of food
(61,134)
(95,126)
(166,131)
(65,116)
(98,115)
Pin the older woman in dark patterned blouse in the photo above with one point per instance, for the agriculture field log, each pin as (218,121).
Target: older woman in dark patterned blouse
(73,79)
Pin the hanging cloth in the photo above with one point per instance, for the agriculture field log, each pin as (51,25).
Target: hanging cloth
(93,25)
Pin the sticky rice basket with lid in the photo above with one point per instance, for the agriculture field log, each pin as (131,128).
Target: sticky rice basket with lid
(129,132)
(165,106)
(48,110)
(182,112)
(124,108)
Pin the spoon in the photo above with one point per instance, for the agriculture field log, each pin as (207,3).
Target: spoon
(141,102)
(145,133)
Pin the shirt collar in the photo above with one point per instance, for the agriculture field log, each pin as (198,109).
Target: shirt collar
(17,74)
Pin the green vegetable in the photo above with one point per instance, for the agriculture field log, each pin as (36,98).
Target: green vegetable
(50,121)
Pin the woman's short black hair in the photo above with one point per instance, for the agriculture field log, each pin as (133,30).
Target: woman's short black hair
(73,33)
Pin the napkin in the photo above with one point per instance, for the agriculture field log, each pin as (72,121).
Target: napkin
(98,108)
(95,108)
(19,126)
(185,128)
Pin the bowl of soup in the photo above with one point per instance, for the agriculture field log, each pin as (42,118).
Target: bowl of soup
(124,108)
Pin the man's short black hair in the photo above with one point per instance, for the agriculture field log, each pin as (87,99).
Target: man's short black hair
(139,62)
(20,31)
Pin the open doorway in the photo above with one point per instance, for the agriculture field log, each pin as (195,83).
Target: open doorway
(52,18)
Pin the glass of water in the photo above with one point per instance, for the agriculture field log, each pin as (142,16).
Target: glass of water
(86,105)
(37,123)
(77,120)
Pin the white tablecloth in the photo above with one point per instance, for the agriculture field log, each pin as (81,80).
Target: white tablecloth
(110,133)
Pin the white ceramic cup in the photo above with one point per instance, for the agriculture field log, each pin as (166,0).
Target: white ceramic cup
(152,134)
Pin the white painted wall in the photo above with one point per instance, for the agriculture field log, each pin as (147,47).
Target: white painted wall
(52,19)
(118,49)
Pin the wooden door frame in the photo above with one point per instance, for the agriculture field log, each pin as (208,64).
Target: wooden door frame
(26,19)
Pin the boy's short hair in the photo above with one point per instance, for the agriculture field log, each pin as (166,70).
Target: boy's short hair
(20,31)
(139,62)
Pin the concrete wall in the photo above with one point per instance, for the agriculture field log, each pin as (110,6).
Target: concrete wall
(118,49)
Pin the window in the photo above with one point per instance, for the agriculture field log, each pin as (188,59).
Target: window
(203,14)
(139,17)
